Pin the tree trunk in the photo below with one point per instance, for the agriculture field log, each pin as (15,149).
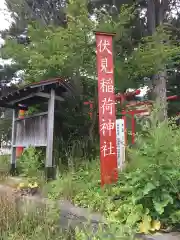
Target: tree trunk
(151,17)
(159,92)
(156,10)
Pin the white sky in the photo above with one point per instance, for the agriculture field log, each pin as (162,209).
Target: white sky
(5,18)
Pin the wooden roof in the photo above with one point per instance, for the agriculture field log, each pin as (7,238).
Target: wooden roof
(36,92)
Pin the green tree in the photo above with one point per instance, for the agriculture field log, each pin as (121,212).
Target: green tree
(7,74)
(69,52)
(44,11)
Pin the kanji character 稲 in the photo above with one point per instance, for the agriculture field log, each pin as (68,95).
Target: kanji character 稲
(107,85)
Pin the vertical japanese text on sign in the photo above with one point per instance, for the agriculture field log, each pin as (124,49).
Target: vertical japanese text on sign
(107,113)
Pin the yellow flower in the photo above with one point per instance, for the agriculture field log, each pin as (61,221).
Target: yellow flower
(143,228)
(21,185)
(156,225)
(31,185)
(145,225)
(35,185)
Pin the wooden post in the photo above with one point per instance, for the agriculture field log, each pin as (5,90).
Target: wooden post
(13,149)
(133,128)
(107,110)
(50,137)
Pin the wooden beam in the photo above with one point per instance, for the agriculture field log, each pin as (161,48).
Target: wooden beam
(13,149)
(23,98)
(58,98)
(50,136)
(32,116)
(27,146)
(47,95)
(7,105)
(38,94)
(44,95)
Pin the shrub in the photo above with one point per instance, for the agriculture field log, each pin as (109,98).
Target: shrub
(30,162)
(149,189)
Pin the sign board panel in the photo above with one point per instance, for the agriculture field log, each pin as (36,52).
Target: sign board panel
(107,110)
(120,139)
(31,132)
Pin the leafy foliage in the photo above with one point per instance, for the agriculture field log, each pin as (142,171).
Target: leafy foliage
(30,163)
(69,52)
(53,51)
(147,194)
(152,182)
(46,12)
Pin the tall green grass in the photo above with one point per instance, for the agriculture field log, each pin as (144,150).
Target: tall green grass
(4,166)
(41,224)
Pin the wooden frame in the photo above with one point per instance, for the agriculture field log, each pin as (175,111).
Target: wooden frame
(40,126)
(49,130)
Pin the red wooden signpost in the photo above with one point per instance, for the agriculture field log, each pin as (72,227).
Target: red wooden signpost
(107,111)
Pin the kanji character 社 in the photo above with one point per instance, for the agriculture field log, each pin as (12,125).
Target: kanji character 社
(107,149)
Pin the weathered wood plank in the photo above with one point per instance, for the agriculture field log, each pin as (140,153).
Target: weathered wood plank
(31,131)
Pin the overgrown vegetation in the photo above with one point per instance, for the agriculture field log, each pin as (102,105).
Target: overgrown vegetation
(147,191)
(146,197)
(42,223)
(18,222)
(4,166)
(31,163)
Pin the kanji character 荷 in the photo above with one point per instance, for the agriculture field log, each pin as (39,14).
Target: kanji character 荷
(107,105)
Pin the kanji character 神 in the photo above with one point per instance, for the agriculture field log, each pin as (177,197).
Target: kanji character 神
(103,46)
(107,126)
(107,149)
(104,66)
(107,85)
(107,105)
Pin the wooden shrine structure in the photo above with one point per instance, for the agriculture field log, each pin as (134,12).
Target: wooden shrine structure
(36,130)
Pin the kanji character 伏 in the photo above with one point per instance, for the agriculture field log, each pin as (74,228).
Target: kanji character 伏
(103,46)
